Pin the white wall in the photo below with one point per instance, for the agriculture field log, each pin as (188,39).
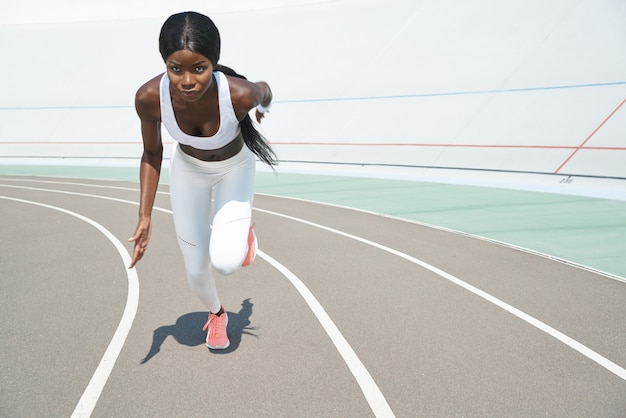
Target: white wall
(498,86)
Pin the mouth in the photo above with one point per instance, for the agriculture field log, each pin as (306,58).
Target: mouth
(189,94)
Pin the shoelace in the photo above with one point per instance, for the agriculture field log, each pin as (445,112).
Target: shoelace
(214,331)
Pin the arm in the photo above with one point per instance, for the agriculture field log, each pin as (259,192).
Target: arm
(264,100)
(148,110)
(247,95)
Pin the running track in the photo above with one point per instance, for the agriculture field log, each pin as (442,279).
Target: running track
(344,313)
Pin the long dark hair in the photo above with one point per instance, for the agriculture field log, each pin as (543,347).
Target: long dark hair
(197,33)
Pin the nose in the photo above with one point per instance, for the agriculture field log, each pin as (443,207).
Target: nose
(188,81)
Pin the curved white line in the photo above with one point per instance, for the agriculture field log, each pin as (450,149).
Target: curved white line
(437,227)
(73,183)
(584,350)
(90,396)
(570,342)
(370,390)
(462,233)
(130,202)
(372,393)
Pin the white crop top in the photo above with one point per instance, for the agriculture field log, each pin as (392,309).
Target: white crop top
(229,125)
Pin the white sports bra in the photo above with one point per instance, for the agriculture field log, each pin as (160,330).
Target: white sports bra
(229,125)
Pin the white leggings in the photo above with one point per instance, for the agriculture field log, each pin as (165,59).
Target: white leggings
(212,206)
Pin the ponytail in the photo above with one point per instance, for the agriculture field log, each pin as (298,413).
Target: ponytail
(253,139)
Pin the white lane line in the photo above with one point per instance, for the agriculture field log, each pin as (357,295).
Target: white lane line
(370,390)
(90,396)
(458,232)
(72,183)
(95,196)
(441,228)
(372,393)
(582,349)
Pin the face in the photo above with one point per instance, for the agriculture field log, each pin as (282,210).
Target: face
(190,73)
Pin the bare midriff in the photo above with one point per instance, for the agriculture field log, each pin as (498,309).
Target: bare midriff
(227,151)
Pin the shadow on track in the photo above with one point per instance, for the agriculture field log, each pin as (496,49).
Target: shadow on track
(188,330)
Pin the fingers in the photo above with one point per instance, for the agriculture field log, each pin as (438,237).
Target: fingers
(136,257)
(137,254)
(141,237)
(141,244)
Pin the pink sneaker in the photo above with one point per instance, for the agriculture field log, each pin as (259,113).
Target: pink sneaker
(252,246)
(217,338)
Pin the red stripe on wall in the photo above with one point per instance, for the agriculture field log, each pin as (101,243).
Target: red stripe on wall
(578,148)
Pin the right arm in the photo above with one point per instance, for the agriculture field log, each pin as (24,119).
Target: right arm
(148,109)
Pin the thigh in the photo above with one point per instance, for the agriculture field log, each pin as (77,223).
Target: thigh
(190,195)
(237,183)
(233,212)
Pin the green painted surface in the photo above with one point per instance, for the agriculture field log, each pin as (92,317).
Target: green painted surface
(584,230)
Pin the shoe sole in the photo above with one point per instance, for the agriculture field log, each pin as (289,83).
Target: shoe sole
(218,347)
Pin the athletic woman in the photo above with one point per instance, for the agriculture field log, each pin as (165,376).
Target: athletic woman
(205,107)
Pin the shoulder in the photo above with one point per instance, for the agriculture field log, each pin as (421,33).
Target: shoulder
(244,94)
(147,98)
(240,88)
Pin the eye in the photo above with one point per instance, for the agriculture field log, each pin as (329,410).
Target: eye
(200,69)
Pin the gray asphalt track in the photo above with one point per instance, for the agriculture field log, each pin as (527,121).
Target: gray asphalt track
(443,324)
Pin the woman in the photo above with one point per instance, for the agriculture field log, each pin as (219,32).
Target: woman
(213,163)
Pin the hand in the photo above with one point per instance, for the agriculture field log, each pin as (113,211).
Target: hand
(141,237)
(259,116)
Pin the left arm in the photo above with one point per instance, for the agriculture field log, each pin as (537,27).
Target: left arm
(247,95)
(265,100)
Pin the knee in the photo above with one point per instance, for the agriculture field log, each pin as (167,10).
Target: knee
(229,236)
(226,264)
(197,274)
